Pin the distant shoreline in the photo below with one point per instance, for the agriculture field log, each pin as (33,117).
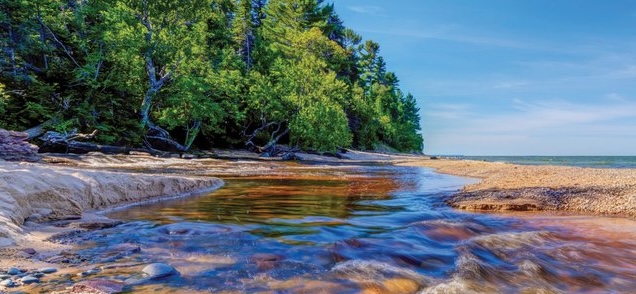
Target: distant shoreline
(593,161)
(514,187)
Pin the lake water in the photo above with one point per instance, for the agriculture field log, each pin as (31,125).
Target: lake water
(370,229)
(580,161)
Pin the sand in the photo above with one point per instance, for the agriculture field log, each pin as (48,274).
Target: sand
(32,193)
(509,187)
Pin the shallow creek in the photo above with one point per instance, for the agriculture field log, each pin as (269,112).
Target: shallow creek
(347,229)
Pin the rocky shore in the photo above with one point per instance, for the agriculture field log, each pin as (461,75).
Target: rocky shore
(509,187)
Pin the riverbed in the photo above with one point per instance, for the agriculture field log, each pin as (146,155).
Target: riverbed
(350,228)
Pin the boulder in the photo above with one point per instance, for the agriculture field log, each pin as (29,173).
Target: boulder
(14,147)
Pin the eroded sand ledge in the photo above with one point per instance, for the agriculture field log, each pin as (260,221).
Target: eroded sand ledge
(509,187)
(49,192)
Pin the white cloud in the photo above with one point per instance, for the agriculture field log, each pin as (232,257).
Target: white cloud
(510,84)
(368,9)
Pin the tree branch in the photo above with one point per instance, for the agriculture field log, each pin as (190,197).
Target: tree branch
(68,53)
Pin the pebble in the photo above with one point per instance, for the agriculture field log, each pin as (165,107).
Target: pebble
(29,251)
(159,270)
(8,283)
(4,277)
(48,270)
(38,275)
(13,271)
(89,272)
(29,280)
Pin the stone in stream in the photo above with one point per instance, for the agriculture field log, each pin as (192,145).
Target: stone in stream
(153,271)
(13,271)
(48,270)
(159,270)
(29,280)
(89,272)
(98,287)
(29,251)
(8,283)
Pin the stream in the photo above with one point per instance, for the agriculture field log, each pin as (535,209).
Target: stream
(364,228)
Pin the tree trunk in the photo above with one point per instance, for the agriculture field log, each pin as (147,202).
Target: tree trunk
(38,130)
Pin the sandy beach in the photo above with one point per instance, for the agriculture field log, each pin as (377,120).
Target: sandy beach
(509,187)
(32,194)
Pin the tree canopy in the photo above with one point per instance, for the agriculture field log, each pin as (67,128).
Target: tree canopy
(200,74)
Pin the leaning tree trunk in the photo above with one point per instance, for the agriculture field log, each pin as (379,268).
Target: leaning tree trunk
(156,137)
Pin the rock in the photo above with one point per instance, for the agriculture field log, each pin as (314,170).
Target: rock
(290,156)
(4,277)
(265,261)
(98,287)
(38,275)
(126,248)
(48,270)
(5,242)
(36,217)
(30,251)
(8,283)
(96,225)
(13,271)
(89,272)
(188,156)
(29,280)
(159,270)
(14,147)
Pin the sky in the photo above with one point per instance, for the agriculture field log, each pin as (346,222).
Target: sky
(511,77)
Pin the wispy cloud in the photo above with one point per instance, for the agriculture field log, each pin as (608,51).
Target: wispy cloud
(454,33)
(368,9)
(537,127)
(553,116)
(510,84)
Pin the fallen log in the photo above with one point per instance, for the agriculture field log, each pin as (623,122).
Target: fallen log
(55,142)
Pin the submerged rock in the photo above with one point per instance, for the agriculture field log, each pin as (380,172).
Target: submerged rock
(265,261)
(8,283)
(48,270)
(98,287)
(29,280)
(29,251)
(13,271)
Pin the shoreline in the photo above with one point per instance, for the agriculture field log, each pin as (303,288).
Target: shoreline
(64,195)
(514,187)
(35,195)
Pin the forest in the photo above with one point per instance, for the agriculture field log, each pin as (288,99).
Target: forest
(199,74)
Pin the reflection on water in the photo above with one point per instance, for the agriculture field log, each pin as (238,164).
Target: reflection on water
(373,229)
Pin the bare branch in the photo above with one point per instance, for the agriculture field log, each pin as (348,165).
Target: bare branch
(68,53)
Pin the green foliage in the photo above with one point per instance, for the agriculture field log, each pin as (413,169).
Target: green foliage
(212,72)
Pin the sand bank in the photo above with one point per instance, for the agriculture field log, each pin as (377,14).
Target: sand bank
(43,192)
(509,187)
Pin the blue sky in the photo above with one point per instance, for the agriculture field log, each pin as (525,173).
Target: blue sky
(514,77)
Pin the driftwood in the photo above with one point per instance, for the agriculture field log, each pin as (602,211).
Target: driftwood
(271,149)
(55,142)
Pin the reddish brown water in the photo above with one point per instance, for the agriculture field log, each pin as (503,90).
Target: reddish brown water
(377,229)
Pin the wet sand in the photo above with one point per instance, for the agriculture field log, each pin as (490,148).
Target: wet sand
(510,187)
(33,194)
